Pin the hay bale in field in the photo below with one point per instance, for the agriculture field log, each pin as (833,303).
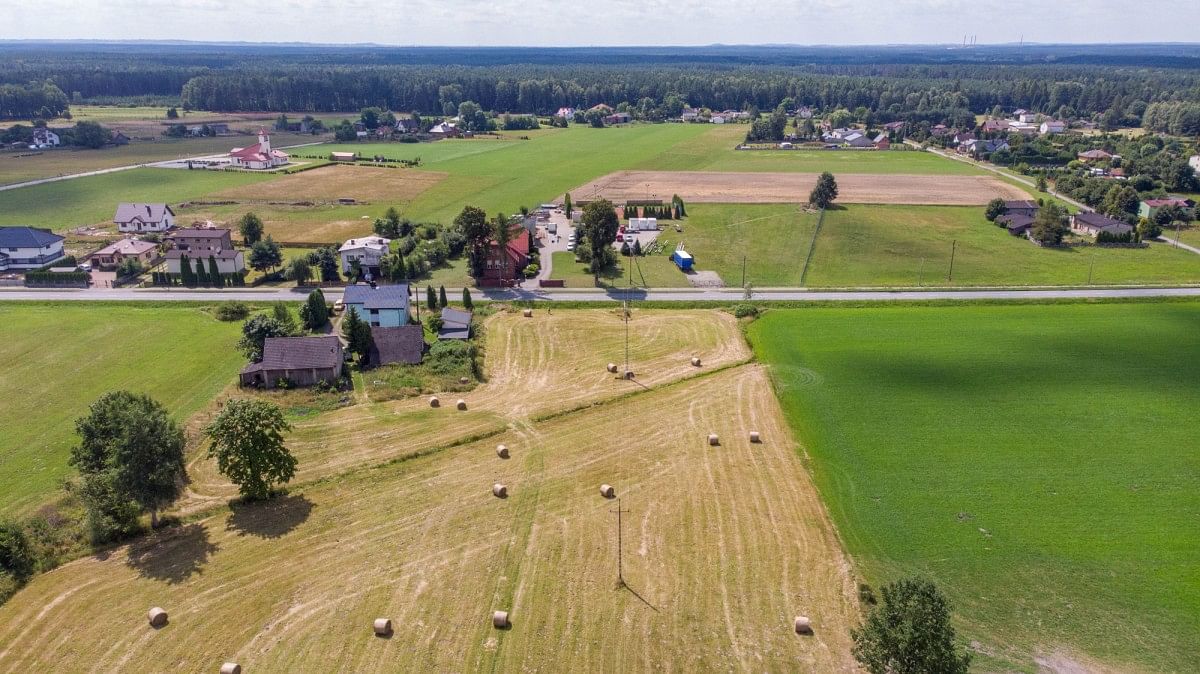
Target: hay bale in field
(499,490)
(464,380)
(695,361)
(803,626)
(461,404)
(713,439)
(755,437)
(231,668)
(528,313)
(502,451)
(612,367)
(607,491)
(500,620)
(383,627)
(434,402)
(629,374)
(157,617)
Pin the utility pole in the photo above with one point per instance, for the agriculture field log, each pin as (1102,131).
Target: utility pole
(921,274)
(620,571)
(1178,224)
(1091,267)
(625,306)
(953,246)
(743,271)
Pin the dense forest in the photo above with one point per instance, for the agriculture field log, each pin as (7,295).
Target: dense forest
(899,83)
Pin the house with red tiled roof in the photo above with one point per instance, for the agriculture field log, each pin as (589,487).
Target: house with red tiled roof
(504,268)
(258,156)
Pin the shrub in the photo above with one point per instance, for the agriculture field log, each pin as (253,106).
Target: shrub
(232,311)
(450,356)
(16,555)
(744,310)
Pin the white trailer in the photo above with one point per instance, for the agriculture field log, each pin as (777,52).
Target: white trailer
(642,225)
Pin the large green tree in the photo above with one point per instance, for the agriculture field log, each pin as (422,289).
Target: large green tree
(255,333)
(995,209)
(473,223)
(824,192)
(357,334)
(910,633)
(314,313)
(599,224)
(247,442)
(250,226)
(1050,225)
(16,554)
(91,135)
(502,232)
(265,254)
(129,445)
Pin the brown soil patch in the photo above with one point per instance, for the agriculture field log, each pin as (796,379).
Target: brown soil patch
(773,188)
(330,183)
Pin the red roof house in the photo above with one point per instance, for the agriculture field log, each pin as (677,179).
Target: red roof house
(505,269)
(258,156)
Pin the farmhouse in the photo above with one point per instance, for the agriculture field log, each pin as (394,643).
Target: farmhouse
(144,217)
(445,130)
(229,260)
(456,324)
(505,267)
(1022,207)
(28,248)
(201,239)
(401,344)
(407,125)
(258,156)
(882,142)
(367,252)
(298,361)
(115,254)
(1150,207)
(618,118)
(995,126)
(43,137)
(1017,224)
(566,113)
(381,306)
(118,138)
(1094,223)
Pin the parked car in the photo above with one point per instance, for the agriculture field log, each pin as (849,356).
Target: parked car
(338,306)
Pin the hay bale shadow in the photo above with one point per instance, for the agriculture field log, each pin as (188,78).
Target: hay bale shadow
(269,519)
(172,555)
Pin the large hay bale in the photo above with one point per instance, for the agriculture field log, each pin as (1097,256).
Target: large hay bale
(500,619)
(464,380)
(499,490)
(755,437)
(157,617)
(461,404)
(231,668)
(607,491)
(528,313)
(434,402)
(803,626)
(502,451)
(696,361)
(383,627)
(713,439)
(612,367)
(629,374)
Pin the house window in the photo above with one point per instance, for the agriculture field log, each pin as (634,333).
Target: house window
(374,312)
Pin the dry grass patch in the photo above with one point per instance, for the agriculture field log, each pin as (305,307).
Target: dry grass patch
(330,183)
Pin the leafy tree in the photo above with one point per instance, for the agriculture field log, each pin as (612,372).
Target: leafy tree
(442,297)
(502,232)
(214,272)
(430,298)
(825,191)
(247,442)
(567,204)
(251,228)
(281,313)
(298,270)
(16,555)
(130,444)
(1168,214)
(344,132)
(995,209)
(326,260)
(265,255)
(201,272)
(281,122)
(473,223)
(599,224)
(255,333)
(468,303)
(370,117)
(1050,225)
(357,333)
(1041,185)
(314,314)
(1120,201)
(1148,229)
(91,135)
(910,633)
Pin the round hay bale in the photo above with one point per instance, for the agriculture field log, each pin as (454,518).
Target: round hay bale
(696,361)
(383,627)
(713,439)
(500,619)
(461,404)
(502,451)
(629,374)
(607,491)
(803,626)
(755,437)
(612,367)
(434,402)
(499,490)
(528,313)
(464,380)
(231,668)
(157,617)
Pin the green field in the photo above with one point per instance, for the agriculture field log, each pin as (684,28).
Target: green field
(773,239)
(60,357)
(648,272)
(88,201)
(1039,462)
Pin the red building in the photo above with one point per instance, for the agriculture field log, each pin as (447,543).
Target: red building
(506,269)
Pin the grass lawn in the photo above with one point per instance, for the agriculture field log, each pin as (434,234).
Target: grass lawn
(773,238)
(88,201)
(1037,461)
(61,357)
(651,271)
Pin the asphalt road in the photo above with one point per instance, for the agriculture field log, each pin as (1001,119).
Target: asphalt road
(556,295)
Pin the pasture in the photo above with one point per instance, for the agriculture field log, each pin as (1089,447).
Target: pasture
(1038,462)
(60,357)
(722,545)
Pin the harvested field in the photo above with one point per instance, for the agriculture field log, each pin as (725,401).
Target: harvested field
(772,188)
(336,181)
(723,546)
(551,363)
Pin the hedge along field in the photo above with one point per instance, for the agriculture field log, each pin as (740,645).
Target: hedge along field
(93,200)
(1039,462)
(60,357)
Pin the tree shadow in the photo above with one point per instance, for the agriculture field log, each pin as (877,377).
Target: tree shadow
(269,519)
(172,555)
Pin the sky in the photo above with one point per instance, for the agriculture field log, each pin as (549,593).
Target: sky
(612,22)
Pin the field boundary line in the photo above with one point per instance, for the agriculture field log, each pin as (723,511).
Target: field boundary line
(812,246)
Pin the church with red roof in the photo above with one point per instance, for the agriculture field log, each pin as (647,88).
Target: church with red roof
(258,156)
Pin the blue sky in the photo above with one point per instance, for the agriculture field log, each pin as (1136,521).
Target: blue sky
(613,22)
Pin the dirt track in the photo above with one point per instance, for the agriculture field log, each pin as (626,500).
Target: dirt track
(773,188)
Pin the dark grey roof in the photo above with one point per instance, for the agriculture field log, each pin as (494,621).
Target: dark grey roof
(1015,221)
(453,331)
(27,237)
(455,317)
(143,212)
(379,297)
(222,254)
(200,233)
(299,353)
(1020,204)
(403,344)
(1103,222)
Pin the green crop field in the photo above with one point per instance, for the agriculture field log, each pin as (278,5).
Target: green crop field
(61,357)
(88,201)
(1039,462)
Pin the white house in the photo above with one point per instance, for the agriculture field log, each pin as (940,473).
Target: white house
(1052,126)
(718,119)
(258,156)
(566,113)
(28,248)
(229,261)
(43,137)
(367,251)
(689,114)
(144,217)
(1194,162)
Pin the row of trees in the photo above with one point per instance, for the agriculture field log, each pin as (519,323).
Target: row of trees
(33,99)
(90,135)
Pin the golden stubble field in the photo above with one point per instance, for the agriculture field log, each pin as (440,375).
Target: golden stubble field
(723,545)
